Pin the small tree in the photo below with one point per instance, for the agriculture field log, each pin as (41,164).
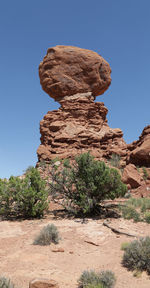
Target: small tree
(86,183)
(23,197)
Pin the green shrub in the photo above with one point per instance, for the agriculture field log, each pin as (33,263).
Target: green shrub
(89,278)
(85,184)
(147,217)
(129,212)
(23,197)
(95,286)
(124,245)
(107,279)
(136,202)
(49,234)
(137,255)
(145,174)
(6,283)
(137,209)
(103,279)
(66,163)
(115,160)
(142,203)
(137,273)
(145,204)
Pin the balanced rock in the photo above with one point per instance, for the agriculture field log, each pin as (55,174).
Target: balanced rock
(74,77)
(67,70)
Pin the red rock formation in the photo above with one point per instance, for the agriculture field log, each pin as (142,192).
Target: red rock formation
(132,176)
(74,76)
(78,126)
(67,70)
(140,150)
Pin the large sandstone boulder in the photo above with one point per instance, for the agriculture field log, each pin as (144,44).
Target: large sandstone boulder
(43,283)
(131,176)
(67,70)
(140,150)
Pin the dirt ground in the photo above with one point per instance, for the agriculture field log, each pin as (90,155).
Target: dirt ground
(22,261)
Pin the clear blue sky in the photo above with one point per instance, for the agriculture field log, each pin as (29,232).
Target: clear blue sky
(119,30)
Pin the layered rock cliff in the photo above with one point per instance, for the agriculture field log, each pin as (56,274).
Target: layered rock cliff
(139,151)
(78,126)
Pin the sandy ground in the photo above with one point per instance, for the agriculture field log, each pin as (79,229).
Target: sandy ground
(22,261)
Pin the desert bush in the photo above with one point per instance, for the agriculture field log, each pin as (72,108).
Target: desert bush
(95,286)
(102,279)
(137,273)
(85,184)
(23,197)
(135,202)
(129,212)
(137,255)
(145,174)
(107,278)
(137,209)
(115,160)
(6,283)
(147,217)
(89,278)
(124,245)
(143,203)
(49,234)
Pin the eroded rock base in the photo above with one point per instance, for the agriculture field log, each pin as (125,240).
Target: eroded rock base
(79,126)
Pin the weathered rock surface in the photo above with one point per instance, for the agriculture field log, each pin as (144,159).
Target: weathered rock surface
(74,77)
(43,283)
(131,176)
(67,70)
(140,150)
(78,126)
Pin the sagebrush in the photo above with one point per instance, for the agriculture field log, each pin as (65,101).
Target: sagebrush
(137,255)
(49,234)
(6,283)
(102,279)
(129,212)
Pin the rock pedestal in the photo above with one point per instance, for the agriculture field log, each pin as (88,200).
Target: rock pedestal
(78,126)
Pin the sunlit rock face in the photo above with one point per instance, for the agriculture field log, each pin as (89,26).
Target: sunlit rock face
(140,150)
(78,126)
(67,70)
(74,77)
